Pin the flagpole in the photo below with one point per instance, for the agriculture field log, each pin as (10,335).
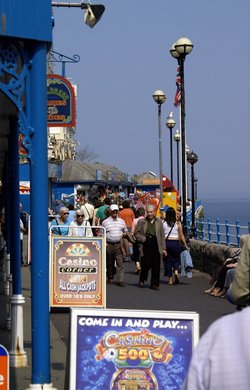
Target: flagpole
(180,149)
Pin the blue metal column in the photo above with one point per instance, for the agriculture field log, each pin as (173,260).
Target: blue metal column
(39,218)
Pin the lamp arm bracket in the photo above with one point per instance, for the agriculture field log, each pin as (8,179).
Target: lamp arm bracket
(58,57)
(80,5)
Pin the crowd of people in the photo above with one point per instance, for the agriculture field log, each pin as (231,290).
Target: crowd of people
(139,235)
(134,233)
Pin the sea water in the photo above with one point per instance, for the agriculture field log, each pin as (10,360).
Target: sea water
(227,209)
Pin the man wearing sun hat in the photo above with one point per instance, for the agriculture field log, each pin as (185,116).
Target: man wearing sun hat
(115,230)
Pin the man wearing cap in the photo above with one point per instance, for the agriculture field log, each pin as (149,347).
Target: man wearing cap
(80,227)
(149,232)
(115,230)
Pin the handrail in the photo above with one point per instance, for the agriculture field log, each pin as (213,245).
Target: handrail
(219,232)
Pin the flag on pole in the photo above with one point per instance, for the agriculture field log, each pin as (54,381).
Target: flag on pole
(177,98)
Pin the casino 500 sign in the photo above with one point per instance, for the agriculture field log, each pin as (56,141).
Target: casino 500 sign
(135,348)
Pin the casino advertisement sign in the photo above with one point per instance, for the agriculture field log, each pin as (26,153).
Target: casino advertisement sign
(128,350)
(78,269)
(60,102)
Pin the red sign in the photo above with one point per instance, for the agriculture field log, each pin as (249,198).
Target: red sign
(60,102)
(4,368)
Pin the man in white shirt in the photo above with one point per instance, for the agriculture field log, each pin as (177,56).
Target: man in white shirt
(80,227)
(221,360)
(115,230)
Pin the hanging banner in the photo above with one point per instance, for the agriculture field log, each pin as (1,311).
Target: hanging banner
(121,349)
(78,272)
(60,102)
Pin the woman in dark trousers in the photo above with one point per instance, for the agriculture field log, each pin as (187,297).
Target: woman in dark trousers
(175,240)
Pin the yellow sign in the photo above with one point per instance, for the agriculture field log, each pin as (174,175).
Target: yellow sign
(170,199)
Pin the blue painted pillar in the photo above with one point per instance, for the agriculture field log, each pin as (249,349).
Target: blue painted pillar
(39,218)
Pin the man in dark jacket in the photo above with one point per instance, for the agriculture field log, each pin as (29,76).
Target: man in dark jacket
(149,232)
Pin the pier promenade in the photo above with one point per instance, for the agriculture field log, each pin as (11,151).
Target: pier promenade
(187,296)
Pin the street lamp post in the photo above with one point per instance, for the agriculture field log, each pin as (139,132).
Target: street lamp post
(177,138)
(179,50)
(170,125)
(93,12)
(192,158)
(195,188)
(160,97)
(188,182)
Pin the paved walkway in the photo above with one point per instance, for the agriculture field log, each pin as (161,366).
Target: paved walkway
(20,378)
(187,296)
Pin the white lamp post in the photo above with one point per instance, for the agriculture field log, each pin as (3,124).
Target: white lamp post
(160,98)
(179,50)
(177,138)
(170,123)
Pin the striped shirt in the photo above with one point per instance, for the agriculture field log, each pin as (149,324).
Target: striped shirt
(114,229)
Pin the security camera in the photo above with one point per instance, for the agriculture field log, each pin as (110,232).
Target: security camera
(93,14)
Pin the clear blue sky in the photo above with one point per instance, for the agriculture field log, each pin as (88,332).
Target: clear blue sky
(125,58)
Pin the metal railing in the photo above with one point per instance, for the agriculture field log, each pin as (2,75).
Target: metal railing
(219,232)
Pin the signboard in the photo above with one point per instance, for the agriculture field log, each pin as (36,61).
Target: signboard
(60,101)
(121,350)
(78,272)
(4,368)
(169,199)
(24,187)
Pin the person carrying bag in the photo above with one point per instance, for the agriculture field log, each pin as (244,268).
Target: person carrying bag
(175,240)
